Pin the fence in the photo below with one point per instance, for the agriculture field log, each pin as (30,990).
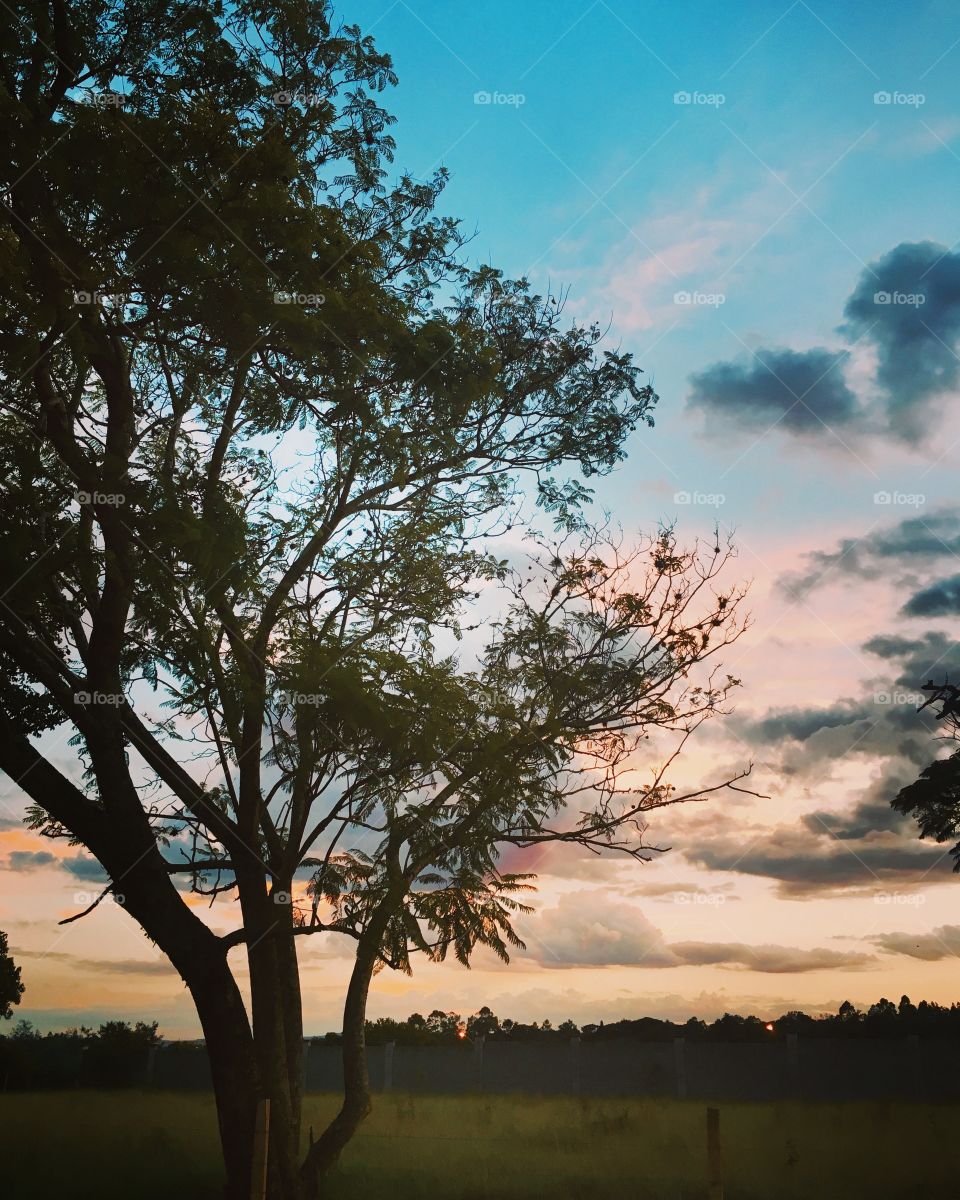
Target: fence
(794,1068)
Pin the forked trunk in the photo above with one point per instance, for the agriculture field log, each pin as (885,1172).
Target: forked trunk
(325,1152)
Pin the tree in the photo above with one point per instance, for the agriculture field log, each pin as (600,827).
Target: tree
(261,427)
(11,989)
(934,798)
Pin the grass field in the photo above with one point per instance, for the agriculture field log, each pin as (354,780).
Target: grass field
(150,1145)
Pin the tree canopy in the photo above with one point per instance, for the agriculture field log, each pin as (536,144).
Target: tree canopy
(269,445)
(11,989)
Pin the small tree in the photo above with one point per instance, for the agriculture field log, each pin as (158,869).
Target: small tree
(261,426)
(11,989)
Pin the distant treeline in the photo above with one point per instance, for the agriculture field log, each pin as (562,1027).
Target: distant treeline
(883,1019)
(115,1055)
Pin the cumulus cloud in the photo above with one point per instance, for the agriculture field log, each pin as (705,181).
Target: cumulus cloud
(942,942)
(584,930)
(907,305)
(800,391)
(905,310)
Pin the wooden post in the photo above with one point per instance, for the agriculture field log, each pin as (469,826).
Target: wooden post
(714,1158)
(261,1143)
(575,1065)
(478,1061)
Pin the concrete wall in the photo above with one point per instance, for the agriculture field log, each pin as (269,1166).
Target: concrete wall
(817,1069)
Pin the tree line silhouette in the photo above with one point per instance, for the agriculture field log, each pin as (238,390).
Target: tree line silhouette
(883,1019)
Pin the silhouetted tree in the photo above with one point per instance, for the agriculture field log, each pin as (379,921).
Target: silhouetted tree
(934,798)
(11,989)
(260,423)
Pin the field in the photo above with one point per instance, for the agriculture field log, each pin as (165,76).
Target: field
(150,1145)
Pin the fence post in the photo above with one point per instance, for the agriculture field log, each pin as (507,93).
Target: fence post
(575,1065)
(261,1143)
(714,1157)
(388,1066)
(680,1065)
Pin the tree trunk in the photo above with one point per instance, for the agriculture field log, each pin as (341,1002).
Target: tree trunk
(325,1152)
(277,1024)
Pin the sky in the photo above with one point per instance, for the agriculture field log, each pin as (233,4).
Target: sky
(759,201)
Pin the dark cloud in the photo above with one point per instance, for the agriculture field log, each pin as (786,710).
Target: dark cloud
(29,860)
(81,866)
(803,741)
(800,724)
(912,543)
(907,305)
(87,869)
(940,599)
(798,391)
(942,942)
(871,814)
(805,863)
(920,657)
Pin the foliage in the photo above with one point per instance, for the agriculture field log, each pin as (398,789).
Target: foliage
(11,988)
(263,425)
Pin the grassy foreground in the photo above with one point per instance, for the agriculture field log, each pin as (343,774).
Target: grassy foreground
(151,1145)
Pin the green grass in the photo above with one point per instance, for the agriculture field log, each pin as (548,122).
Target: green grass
(108,1146)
